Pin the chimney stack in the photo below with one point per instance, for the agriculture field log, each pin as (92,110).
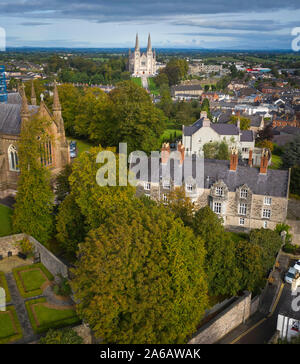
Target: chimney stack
(264,161)
(165,153)
(238,124)
(206,121)
(250,162)
(181,149)
(234,159)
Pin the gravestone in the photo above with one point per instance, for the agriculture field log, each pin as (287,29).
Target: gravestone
(2,299)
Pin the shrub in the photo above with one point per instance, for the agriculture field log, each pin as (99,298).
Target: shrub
(61,336)
(26,247)
(289,248)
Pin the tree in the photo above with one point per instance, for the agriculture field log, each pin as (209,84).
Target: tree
(181,205)
(133,119)
(265,134)
(61,336)
(63,188)
(291,155)
(34,199)
(206,107)
(216,150)
(70,226)
(70,99)
(244,122)
(153,287)
(270,243)
(220,261)
(265,144)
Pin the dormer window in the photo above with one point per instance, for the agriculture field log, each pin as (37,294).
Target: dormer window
(219,191)
(189,187)
(267,200)
(243,193)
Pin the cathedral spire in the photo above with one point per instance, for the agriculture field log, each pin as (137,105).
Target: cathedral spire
(137,44)
(33,96)
(149,47)
(56,102)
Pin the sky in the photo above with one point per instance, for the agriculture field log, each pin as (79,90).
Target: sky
(210,24)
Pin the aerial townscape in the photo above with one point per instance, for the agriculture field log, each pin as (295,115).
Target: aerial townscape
(149,175)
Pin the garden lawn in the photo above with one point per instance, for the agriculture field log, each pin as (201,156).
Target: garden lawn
(152,86)
(31,278)
(43,318)
(10,329)
(276,162)
(169,135)
(4,285)
(137,80)
(5,220)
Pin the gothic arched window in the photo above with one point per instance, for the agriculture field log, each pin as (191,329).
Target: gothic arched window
(46,154)
(13,158)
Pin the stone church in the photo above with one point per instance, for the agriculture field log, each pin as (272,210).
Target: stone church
(15,113)
(142,63)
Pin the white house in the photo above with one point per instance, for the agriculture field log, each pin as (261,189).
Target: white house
(203,131)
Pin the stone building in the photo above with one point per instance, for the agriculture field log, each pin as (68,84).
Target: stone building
(15,113)
(142,63)
(245,197)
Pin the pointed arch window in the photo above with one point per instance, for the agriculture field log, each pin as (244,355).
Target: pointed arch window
(13,158)
(46,153)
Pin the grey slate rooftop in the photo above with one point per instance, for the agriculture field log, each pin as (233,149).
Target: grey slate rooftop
(273,183)
(221,129)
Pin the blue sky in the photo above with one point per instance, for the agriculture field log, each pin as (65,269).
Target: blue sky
(223,24)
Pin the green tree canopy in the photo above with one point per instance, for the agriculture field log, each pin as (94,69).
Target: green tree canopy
(140,278)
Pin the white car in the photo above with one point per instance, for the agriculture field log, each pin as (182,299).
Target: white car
(290,276)
(297,265)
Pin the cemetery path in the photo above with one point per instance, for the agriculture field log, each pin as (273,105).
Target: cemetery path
(18,302)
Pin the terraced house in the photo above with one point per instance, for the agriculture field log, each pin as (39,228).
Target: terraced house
(245,197)
(13,114)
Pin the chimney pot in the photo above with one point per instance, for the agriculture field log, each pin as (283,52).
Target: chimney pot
(234,159)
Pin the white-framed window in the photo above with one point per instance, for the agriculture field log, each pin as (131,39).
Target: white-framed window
(189,187)
(147,186)
(267,200)
(265,224)
(219,191)
(266,213)
(242,208)
(243,193)
(241,221)
(166,185)
(165,197)
(13,158)
(217,207)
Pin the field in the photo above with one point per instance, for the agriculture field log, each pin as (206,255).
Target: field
(137,80)
(5,221)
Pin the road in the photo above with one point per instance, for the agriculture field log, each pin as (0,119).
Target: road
(264,331)
(145,82)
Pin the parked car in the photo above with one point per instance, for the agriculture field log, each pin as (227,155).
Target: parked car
(291,274)
(297,265)
(73,152)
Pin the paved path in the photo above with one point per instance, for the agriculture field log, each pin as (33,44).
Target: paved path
(144,82)
(18,302)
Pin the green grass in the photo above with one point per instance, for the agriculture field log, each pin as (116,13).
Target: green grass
(152,86)
(4,285)
(9,330)
(137,80)
(5,220)
(31,280)
(49,317)
(168,135)
(276,162)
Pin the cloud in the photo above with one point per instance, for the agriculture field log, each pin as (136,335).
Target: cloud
(34,24)
(131,10)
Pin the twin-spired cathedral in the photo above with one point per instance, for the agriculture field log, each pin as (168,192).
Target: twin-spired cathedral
(142,63)
(13,115)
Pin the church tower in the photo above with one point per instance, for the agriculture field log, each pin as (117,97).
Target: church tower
(140,64)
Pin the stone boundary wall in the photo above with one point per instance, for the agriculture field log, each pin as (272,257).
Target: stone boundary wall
(49,260)
(234,315)
(254,305)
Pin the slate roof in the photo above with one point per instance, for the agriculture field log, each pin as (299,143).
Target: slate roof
(14,98)
(10,118)
(274,183)
(221,129)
